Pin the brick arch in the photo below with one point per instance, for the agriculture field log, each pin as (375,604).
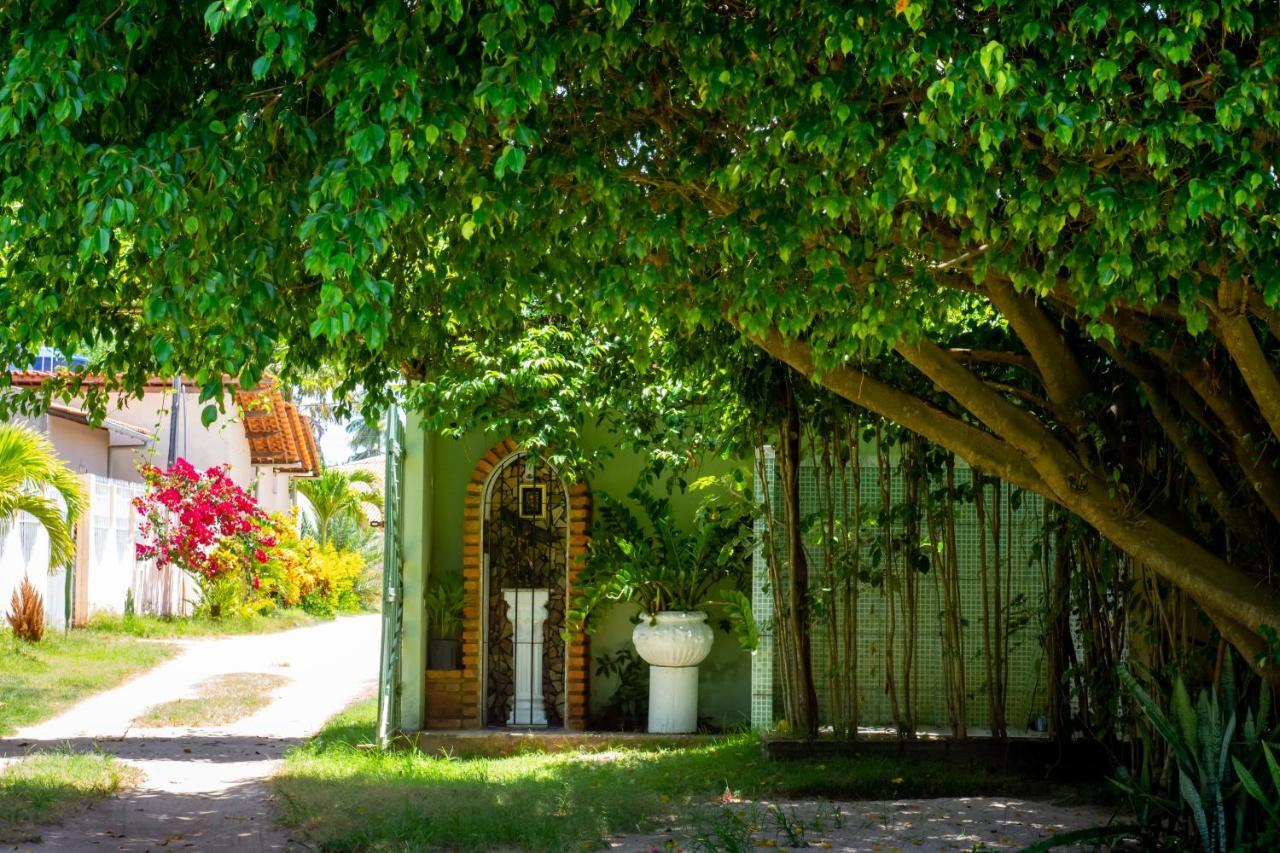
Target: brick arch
(576,650)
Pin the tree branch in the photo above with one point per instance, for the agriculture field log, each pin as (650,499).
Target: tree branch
(1231,327)
(1065,381)
(977,447)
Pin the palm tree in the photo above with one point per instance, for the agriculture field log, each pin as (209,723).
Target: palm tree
(29,468)
(366,437)
(338,494)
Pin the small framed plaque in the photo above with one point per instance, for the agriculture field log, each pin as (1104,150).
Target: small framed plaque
(533,501)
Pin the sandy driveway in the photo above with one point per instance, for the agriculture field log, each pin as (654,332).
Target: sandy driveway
(206,788)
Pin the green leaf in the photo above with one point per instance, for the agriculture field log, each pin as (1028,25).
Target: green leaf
(620,10)
(208,414)
(1251,786)
(162,349)
(512,159)
(1195,804)
(367,142)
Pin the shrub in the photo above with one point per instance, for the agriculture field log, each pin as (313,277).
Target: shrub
(334,574)
(1207,770)
(26,613)
(209,527)
(351,534)
(285,579)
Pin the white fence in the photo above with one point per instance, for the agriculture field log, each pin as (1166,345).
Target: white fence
(106,568)
(24,552)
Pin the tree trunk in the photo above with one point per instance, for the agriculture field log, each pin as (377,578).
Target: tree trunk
(1058,632)
(797,564)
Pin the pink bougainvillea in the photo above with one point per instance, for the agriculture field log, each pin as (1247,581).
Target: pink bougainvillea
(187,514)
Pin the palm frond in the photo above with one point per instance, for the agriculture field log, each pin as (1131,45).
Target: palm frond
(29,471)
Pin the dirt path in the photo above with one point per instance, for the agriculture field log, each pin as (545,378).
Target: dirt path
(207,788)
(891,826)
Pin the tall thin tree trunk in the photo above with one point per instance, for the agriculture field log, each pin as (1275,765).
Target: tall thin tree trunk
(797,564)
(1058,630)
(991,621)
(888,579)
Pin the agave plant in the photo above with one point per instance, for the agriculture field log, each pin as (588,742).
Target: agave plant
(1210,758)
(1218,765)
(33,480)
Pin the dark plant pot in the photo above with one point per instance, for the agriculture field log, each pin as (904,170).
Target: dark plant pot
(444,654)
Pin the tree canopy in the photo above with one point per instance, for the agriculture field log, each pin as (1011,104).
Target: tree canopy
(1040,234)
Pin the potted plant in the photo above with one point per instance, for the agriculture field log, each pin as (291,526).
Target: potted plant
(647,558)
(444,603)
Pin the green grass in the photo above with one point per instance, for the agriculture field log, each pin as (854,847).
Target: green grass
(342,795)
(170,627)
(219,700)
(38,680)
(43,788)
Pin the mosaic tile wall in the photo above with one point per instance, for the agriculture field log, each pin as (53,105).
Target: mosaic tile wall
(1020,540)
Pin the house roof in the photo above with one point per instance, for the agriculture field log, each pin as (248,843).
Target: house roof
(36,378)
(278,434)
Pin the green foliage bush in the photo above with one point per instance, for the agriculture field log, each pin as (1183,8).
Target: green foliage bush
(646,557)
(1221,783)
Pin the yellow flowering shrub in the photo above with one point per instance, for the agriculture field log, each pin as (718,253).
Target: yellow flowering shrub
(299,573)
(335,574)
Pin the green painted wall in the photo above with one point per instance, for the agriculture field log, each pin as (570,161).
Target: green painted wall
(725,678)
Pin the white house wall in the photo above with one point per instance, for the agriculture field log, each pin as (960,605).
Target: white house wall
(108,569)
(273,490)
(222,442)
(82,448)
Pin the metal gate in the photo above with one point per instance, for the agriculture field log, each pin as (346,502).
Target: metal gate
(526,565)
(392,581)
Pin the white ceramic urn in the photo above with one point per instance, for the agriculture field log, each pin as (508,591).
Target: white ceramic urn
(673,643)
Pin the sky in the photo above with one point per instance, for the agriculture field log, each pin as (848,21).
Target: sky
(334,445)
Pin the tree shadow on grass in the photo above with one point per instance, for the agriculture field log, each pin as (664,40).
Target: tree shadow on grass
(202,748)
(44,787)
(237,817)
(342,797)
(206,803)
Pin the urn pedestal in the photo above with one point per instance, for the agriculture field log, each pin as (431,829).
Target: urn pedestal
(673,643)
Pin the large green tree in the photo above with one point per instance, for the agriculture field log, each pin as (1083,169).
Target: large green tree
(1040,234)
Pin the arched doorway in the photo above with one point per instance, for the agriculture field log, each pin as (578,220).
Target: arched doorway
(526,547)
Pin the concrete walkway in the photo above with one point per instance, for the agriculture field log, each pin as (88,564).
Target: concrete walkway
(207,788)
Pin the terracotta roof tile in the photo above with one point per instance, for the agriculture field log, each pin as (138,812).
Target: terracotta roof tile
(36,378)
(278,435)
